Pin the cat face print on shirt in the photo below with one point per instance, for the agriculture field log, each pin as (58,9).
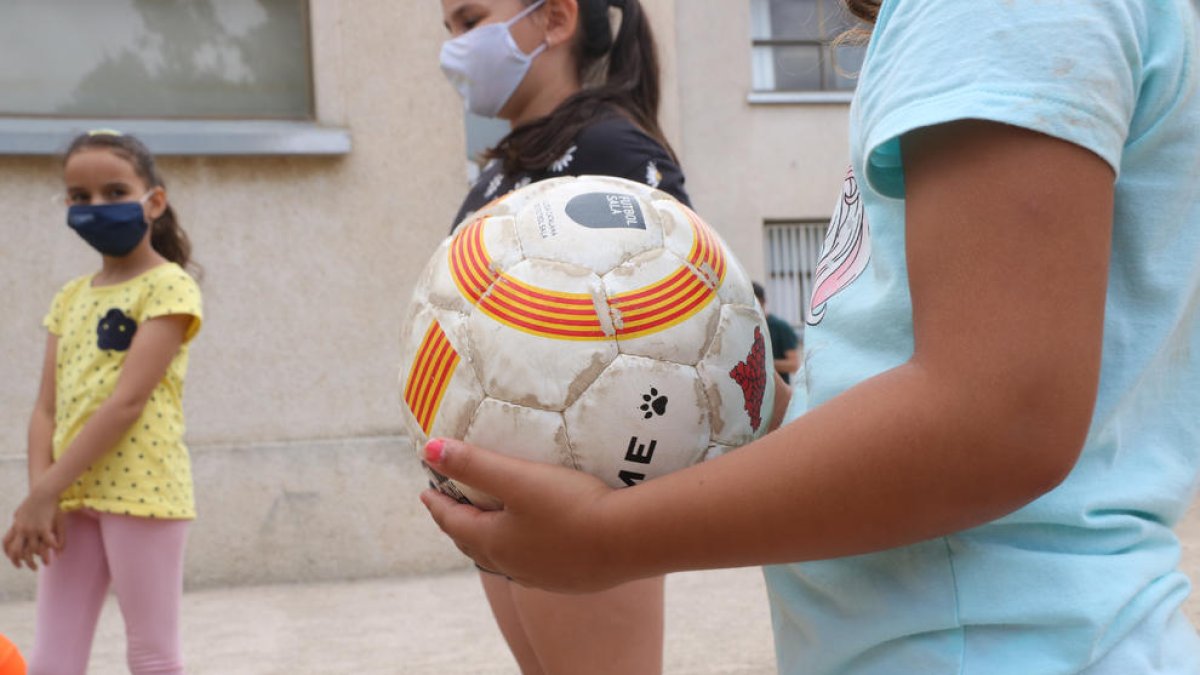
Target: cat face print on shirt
(115,331)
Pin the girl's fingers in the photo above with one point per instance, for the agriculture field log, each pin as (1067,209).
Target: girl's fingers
(47,538)
(483,470)
(14,545)
(46,554)
(11,552)
(453,518)
(29,556)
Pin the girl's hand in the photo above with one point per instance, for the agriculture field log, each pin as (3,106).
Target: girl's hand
(35,530)
(550,532)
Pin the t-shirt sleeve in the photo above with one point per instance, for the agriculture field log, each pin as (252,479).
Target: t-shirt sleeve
(1063,68)
(618,148)
(58,306)
(175,293)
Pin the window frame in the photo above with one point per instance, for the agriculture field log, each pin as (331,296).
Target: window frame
(826,46)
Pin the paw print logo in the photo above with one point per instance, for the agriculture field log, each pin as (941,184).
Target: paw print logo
(653,404)
(115,331)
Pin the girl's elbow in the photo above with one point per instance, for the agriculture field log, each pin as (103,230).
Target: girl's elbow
(126,409)
(1051,471)
(1050,456)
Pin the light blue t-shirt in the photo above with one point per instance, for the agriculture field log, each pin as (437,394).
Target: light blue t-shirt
(1085,579)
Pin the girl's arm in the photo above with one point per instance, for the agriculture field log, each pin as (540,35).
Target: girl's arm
(155,344)
(1008,235)
(41,422)
(41,441)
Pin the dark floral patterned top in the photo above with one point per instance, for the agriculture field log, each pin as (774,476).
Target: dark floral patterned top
(613,146)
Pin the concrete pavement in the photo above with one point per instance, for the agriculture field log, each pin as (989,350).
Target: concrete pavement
(717,624)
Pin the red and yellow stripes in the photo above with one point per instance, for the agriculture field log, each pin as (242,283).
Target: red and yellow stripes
(470,264)
(564,316)
(659,306)
(706,249)
(429,376)
(572,316)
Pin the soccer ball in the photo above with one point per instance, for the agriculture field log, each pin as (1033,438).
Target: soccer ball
(590,322)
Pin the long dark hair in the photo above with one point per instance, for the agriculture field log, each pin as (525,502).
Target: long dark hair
(620,74)
(166,235)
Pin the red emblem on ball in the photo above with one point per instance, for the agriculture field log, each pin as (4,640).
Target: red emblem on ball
(751,375)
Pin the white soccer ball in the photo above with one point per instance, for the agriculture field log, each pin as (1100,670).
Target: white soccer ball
(590,322)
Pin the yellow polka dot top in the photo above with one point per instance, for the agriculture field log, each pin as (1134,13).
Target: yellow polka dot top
(147,473)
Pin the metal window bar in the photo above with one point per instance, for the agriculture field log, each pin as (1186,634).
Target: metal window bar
(793,248)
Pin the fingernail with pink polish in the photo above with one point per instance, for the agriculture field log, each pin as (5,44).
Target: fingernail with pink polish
(433,450)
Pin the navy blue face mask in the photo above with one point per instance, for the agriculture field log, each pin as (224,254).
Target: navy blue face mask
(112,229)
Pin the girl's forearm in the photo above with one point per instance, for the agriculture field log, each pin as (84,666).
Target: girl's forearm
(901,458)
(97,437)
(41,444)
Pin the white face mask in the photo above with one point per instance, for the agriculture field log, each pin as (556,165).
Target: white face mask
(486,65)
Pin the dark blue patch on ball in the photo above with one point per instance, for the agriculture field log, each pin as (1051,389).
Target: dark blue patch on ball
(115,331)
(605,210)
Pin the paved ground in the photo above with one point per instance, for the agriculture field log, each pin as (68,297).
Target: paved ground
(717,624)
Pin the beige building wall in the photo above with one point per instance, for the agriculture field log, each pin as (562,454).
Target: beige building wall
(749,163)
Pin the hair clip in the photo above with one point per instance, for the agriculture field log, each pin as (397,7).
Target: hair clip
(104,132)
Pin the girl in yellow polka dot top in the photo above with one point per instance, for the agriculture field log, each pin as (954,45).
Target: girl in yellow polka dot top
(110,494)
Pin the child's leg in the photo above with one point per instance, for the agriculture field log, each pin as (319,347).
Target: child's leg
(499,595)
(146,559)
(619,630)
(70,595)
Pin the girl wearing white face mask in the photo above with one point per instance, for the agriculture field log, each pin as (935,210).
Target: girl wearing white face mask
(582,100)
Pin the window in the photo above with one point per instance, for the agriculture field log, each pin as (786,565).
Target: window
(162,59)
(795,46)
(172,71)
(793,249)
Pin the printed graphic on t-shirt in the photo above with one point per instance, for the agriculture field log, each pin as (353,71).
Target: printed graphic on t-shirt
(653,175)
(561,164)
(115,331)
(846,251)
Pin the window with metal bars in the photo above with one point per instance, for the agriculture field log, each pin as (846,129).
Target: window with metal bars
(792,251)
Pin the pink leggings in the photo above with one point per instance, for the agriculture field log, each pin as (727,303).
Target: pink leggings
(143,558)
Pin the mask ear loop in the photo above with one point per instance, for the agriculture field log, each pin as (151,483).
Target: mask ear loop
(513,21)
(142,201)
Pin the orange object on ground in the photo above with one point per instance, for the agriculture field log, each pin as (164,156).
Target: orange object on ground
(11,662)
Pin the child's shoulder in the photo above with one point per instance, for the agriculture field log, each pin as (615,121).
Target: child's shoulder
(170,275)
(74,285)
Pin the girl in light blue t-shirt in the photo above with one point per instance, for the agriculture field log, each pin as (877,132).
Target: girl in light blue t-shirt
(998,420)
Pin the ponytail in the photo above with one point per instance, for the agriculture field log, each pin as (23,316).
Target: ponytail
(166,236)
(620,74)
(169,239)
